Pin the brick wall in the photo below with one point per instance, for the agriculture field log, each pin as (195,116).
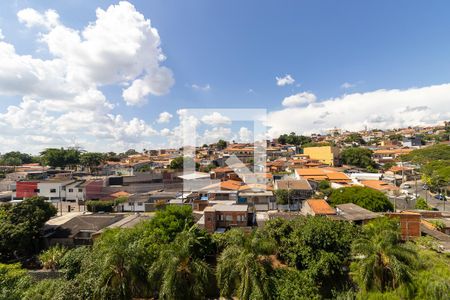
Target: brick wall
(409,224)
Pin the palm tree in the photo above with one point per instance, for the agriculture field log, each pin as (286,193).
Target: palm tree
(244,265)
(382,261)
(180,272)
(51,257)
(116,268)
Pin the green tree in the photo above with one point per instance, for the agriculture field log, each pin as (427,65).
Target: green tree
(20,227)
(91,159)
(170,221)
(355,138)
(72,261)
(382,261)
(294,139)
(243,268)
(55,289)
(60,158)
(178,163)
(180,271)
(117,266)
(320,247)
(422,204)
(15,158)
(282,196)
(290,283)
(221,144)
(50,258)
(13,281)
(359,157)
(365,197)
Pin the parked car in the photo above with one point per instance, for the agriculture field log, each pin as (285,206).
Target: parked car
(406,186)
(425,187)
(440,197)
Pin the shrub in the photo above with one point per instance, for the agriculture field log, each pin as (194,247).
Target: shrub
(100,205)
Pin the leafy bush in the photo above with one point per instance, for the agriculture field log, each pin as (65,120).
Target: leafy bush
(422,204)
(51,257)
(100,205)
(365,197)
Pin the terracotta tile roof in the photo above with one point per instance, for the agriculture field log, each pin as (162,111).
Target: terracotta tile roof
(399,168)
(320,207)
(120,194)
(231,185)
(379,185)
(338,176)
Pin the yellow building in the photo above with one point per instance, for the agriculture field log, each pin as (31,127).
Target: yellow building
(325,154)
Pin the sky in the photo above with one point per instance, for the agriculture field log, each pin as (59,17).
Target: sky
(110,75)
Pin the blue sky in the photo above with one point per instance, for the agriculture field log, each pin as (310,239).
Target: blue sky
(234,50)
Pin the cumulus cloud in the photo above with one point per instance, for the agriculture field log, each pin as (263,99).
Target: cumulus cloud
(378,109)
(61,95)
(31,18)
(213,135)
(164,117)
(216,119)
(245,135)
(286,80)
(299,99)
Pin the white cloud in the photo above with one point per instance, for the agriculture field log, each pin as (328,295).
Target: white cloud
(299,99)
(203,88)
(215,134)
(286,80)
(165,132)
(164,117)
(61,95)
(216,119)
(31,18)
(245,135)
(377,109)
(347,85)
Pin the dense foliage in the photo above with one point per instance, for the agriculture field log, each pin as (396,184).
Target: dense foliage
(435,164)
(422,204)
(294,139)
(60,157)
(359,157)
(168,257)
(20,226)
(365,197)
(179,162)
(15,158)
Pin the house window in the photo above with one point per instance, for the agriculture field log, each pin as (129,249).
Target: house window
(52,190)
(80,190)
(139,203)
(70,190)
(229,218)
(218,217)
(36,190)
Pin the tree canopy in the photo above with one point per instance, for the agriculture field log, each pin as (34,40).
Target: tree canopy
(178,163)
(294,139)
(15,158)
(60,157)
(359,157)
(20,226)
(363,196)
(221,144)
